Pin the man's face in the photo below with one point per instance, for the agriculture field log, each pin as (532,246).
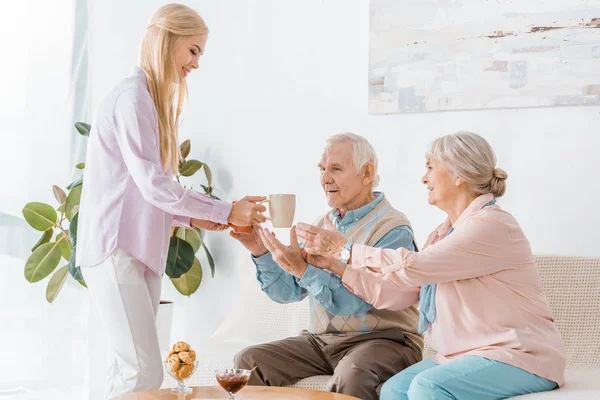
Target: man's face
(343,186)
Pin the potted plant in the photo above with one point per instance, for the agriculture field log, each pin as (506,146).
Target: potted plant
(59,235)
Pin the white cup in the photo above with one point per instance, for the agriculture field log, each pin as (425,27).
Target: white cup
(282,208)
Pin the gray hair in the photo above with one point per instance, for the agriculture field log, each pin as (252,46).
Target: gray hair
(470,157)
(362,152)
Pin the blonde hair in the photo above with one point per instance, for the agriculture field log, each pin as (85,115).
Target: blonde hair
(168,27)
(470,157)
(362,152)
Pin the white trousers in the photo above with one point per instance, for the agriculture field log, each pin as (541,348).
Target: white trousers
(127,294)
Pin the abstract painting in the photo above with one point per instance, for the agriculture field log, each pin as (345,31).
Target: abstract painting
(441,55)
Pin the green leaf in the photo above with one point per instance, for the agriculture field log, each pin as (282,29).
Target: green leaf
(73,200)
(189,282)
(80,165)
(208,173)
(190,236)
(74,270)
(46,236)
(42,262)
(56,283)
(180,257)
(185,148)
(211,262)
(65,245)
(207,190)
(73,231)
(61,208)
(214,197)
(83,128)
(82,283)
(75,183)
(40,216)
(190,167)
(59,194)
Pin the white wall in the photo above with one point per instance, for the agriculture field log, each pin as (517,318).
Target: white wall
(279,76)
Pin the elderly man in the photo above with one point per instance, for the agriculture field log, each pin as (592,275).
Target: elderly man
(360,346)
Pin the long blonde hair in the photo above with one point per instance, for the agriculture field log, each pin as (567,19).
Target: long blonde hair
(168,27)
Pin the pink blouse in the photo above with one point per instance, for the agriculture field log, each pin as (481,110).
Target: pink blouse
(128,200)
(489,294)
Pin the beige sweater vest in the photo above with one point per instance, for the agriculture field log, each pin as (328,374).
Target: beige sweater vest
(368,230)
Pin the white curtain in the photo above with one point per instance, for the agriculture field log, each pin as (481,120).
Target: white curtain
(43,75)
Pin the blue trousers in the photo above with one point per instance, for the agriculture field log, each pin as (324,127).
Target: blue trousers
(467,378)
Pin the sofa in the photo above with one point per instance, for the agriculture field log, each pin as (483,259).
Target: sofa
(572,285)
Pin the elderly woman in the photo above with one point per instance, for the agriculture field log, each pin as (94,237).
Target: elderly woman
(481,307)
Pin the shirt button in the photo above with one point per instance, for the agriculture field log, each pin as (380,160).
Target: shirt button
(320,301)
(308,287)
(220,216)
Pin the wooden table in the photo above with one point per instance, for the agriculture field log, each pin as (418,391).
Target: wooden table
(247,393)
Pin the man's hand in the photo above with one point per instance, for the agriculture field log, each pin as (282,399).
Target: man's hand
(251,241)
(323,242)
(288,257)
(207,225)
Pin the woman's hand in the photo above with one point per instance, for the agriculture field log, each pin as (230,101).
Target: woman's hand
(207,225)
(323,242)
(317,260)
(247,212)
(331,264)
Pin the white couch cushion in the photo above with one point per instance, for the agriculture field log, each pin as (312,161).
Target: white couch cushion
(579,385)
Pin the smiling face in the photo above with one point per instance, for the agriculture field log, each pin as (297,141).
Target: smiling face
(187,54)
(344,188)
(441,184)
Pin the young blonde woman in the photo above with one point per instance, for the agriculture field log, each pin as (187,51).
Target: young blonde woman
(482,308)
(130,200)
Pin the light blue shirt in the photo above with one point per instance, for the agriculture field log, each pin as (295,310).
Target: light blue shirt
(327,288)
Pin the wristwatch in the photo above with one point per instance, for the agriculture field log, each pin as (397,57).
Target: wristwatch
(346,252)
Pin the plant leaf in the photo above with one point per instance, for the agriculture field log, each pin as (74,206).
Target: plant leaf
(73,200)
(73,231)
(190,236)
(207,190)
(83,128)
(82,283)
(208,173)
(59,194)
(80,165)
(180,257)
(75,183)
(42,262)
(190,167)
(56,283)
(65,245)
(46,236)
(74,270)
(211,261)
(40,216)
(185,148)
(189,282)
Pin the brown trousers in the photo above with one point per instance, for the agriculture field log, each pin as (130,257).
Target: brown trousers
(360,364)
